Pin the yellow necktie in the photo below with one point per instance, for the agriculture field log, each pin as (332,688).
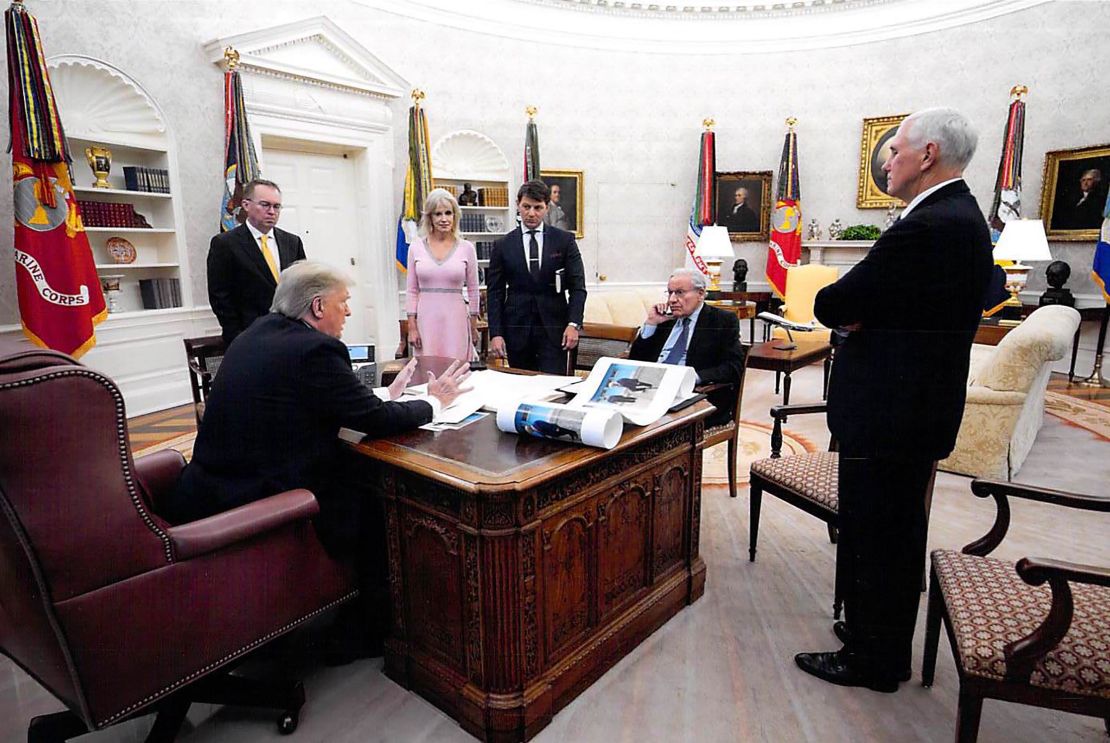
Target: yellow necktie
(269,256)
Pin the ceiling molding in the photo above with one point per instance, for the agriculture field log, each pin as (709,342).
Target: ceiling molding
(717,29)
(314,51)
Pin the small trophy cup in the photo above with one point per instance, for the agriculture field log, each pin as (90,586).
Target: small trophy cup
(100,160)
(110,284)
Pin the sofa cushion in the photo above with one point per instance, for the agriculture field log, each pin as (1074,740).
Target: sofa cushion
(1044,337)
(626,307)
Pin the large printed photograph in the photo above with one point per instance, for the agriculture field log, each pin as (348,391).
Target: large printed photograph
(629,386)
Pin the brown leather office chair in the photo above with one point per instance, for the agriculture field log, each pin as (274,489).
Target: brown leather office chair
(204,355)
(598,340)
(1013,638)
(113,610)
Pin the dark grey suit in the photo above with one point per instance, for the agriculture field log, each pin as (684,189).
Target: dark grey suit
(240,284)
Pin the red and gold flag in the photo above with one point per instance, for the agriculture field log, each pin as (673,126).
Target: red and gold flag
(785,249)
(60,300)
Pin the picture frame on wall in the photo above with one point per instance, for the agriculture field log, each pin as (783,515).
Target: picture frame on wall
(873,152)
(566,210)
(742,203)
(1073,194)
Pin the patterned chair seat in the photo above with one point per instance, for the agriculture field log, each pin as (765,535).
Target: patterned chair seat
(812,475)
(990,606)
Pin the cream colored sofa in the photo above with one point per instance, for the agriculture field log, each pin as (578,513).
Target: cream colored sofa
(626,307)
(1005,395)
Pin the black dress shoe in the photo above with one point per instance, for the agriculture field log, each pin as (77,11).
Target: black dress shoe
(842,669)
(840,629)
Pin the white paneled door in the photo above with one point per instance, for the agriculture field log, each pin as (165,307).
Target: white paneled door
(318,198)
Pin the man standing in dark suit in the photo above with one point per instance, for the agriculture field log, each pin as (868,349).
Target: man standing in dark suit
(284,390)
(244,263)
(532,272)
(910,309)
(686,331)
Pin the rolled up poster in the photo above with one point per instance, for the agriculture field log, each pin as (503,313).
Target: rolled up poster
(545,420)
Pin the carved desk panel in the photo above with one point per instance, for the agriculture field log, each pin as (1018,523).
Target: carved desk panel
(522,569)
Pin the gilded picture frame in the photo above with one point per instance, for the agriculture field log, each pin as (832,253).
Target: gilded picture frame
(871,191)
(734,190)
(1070,212)
(566,194)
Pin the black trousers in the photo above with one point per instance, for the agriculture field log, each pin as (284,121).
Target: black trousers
(534,350)
(883,517)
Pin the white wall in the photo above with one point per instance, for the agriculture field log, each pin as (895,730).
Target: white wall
(630,120)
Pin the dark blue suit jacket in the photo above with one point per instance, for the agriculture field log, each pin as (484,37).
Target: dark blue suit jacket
(514,296)
(898,385)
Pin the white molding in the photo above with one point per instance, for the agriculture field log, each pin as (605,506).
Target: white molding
(354,68)
(129,114)
(703,29)
(467,154)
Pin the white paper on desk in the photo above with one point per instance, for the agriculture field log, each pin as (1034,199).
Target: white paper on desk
(641,391)
(548,420)
(492,390)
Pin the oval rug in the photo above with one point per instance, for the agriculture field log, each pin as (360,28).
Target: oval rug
(755,443)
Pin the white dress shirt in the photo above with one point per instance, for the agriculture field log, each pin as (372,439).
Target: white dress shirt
(526,240)
(924,195)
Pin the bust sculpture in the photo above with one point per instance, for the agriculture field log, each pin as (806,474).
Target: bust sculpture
(740,275)
(468,197)
(1057,275)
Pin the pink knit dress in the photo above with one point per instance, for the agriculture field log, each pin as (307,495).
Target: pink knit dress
(434,292)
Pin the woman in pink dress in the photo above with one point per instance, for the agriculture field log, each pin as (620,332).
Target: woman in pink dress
(440,265)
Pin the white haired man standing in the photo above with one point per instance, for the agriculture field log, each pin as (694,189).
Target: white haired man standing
(910,309)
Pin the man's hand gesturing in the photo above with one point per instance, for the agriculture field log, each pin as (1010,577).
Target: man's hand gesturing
(448,385)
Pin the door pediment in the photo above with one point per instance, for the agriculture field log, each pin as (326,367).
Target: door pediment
(314,51)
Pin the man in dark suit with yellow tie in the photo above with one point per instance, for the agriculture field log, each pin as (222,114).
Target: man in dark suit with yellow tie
(537,289)
(244,263)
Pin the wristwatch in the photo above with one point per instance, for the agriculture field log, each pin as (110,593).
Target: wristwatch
(574,325)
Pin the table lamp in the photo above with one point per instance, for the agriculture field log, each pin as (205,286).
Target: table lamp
(713,247)
(1021,240)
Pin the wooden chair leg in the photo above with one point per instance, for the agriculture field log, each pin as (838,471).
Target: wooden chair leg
(755,499)
(832,534)
(55,727)
(732,466)
(778,376)
(967,717)
(932,633)
(168,722)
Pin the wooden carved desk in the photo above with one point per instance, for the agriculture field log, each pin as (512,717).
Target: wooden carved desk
(522,569)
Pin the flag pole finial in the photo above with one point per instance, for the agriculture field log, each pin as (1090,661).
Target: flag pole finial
(231,57)
(531,111)
(790,122)
(708,123)
(417,96)
(1018,92)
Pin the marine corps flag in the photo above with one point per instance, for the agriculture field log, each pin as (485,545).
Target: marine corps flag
(701,212)
(785,249)
(240,161)
(1007,186)
(60,300)
(531,147)
(418,180)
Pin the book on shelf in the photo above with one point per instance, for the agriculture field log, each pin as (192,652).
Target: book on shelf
(493,196)
(482,249)
(110,214)
(147,180)
(160,294)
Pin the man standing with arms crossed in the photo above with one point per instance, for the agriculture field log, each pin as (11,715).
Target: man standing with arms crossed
(910,309)
(532,272)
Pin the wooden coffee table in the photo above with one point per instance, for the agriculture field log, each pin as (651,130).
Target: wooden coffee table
(766,356)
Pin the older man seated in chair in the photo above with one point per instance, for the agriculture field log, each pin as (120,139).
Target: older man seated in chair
(284,390)
(686,331)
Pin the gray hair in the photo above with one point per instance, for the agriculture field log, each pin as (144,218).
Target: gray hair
(1093,171)
(437,197)
(302,282)
(697,278)
(949,129)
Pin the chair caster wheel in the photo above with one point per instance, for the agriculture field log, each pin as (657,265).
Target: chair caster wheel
(287,723)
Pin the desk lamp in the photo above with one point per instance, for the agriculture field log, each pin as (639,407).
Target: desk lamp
(713,247)
(1021,240)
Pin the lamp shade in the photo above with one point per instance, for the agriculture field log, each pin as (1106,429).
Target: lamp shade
(714,242)
(1023,240)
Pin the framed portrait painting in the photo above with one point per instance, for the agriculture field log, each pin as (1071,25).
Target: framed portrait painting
(566,208)
(874,149)
(1074,192)
(743,204)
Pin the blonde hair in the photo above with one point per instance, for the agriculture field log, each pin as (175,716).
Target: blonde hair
(435,198)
